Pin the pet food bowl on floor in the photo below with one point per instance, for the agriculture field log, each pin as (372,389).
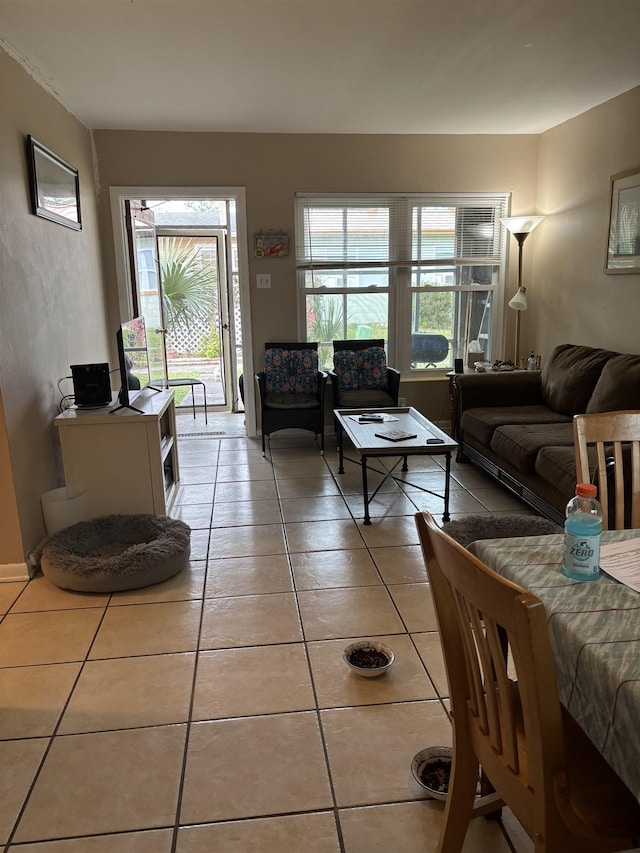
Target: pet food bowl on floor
(369,658)
(431,768)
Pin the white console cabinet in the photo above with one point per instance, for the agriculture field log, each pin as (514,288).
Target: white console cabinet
(127,461)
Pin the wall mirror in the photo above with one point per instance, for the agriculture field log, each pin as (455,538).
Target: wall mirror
(623,250)
(55,186)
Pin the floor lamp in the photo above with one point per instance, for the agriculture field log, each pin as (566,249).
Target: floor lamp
(520,227)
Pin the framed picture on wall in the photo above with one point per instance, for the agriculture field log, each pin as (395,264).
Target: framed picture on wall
(55,186)
(623,250)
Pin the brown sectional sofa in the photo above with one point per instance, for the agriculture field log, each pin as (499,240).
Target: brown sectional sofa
(518,426)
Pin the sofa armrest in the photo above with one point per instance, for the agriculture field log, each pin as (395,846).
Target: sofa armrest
(262,386)
(335,398)
(322,382)
(516,388)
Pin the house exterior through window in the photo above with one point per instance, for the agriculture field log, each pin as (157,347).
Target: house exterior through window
(423,272)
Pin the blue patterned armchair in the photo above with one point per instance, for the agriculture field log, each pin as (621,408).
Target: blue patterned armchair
(360,378)
(291,389)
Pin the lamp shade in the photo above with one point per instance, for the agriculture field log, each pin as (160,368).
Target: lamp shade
(521,224)
(519,301)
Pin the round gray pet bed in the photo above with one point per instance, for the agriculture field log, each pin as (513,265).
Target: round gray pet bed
(116,552)
(467,530)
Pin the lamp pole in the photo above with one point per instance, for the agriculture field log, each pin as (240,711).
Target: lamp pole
(520,227)
(520,237)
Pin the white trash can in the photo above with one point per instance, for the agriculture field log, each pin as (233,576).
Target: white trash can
(63,507)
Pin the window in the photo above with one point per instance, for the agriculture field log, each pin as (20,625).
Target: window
(420,271)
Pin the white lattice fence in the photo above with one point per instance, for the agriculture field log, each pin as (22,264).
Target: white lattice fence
(186,341)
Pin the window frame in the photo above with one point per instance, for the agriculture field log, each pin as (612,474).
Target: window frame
(401,265)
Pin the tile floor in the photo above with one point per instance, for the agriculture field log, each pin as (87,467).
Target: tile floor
(214,712)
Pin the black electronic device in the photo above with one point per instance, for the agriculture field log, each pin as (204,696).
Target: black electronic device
(458,365)
(91,385)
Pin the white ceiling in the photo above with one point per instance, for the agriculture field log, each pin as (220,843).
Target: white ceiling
(328,66)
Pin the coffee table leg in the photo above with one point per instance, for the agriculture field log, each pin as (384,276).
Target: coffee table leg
(447,476)
(341,457)
(365,491)
(405,464)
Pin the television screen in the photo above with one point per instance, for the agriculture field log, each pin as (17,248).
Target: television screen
(157,361)
(133,359)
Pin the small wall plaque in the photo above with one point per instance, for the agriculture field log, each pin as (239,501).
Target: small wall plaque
(271,245)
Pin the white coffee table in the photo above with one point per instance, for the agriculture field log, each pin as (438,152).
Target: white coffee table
(428,441)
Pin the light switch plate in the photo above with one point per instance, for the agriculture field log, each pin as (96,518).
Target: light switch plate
(263,280)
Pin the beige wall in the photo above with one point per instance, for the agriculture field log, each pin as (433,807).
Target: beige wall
(11,552)
(52,310)
(274,167)
(571,298)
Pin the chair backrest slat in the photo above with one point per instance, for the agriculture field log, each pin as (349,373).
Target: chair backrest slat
(635,473)
(506,742)
(474,676)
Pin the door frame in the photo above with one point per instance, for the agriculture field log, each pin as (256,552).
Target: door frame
(225,306)
(119,194)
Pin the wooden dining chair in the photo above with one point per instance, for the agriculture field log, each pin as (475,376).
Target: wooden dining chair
(538,760)
(616,438)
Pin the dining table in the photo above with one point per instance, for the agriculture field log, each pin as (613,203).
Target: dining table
(594,628)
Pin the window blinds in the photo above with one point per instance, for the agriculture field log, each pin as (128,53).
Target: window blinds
(360,231)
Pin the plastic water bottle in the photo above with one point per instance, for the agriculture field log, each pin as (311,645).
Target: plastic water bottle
(582,530)
(532,361)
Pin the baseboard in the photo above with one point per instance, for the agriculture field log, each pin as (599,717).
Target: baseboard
(33,557)
(13,572)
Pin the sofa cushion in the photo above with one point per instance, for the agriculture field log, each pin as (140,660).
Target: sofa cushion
(291,371)
(570,376)
(373,369)
(480,423)
(361,370)
(346,369)
(557,466)
(618,387)
(303,370)
(276,368)
(521,444)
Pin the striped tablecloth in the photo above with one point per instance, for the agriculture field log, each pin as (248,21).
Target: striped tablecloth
(595,635)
